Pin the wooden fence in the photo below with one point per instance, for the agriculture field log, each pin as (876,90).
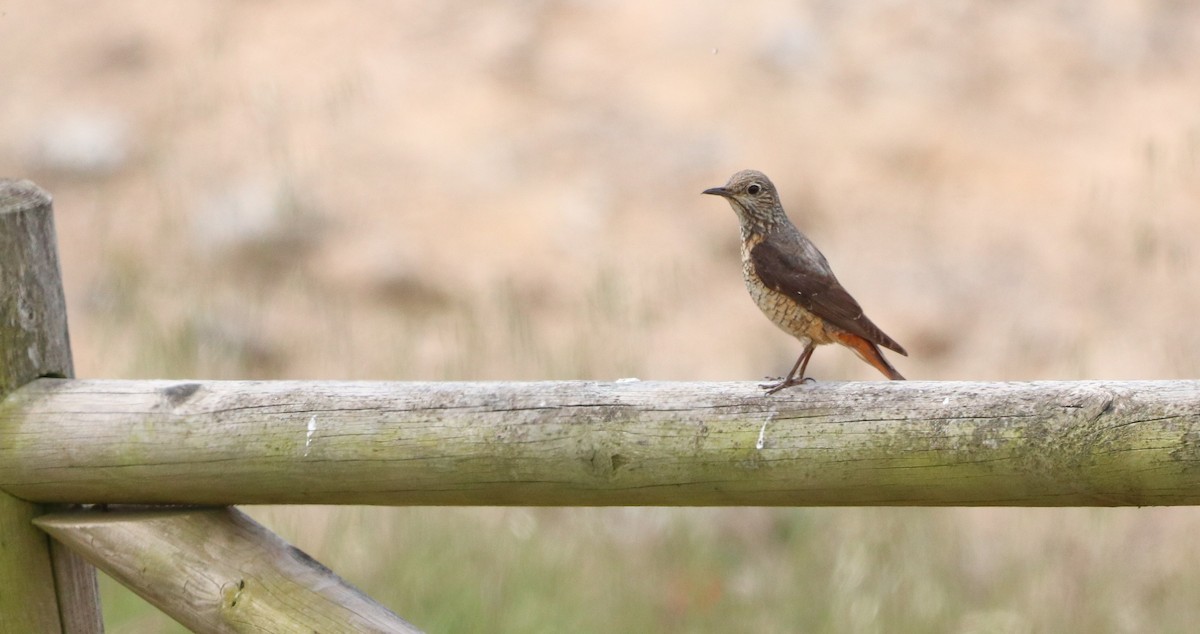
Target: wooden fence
(221,443)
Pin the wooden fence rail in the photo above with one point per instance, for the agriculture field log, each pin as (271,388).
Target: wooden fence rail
(215,569)
(587,443)
(71,442)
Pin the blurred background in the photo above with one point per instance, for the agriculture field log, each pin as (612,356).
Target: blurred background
(510,190)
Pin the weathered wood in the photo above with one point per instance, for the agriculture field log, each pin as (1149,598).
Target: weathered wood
(584,443)
(33,343)
(33,311)
(25,569)
(217,570)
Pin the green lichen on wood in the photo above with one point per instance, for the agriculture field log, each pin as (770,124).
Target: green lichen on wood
(585,443)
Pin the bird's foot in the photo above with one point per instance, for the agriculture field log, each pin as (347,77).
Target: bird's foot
(775,383)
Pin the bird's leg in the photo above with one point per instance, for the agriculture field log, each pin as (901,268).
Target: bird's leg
(791,379)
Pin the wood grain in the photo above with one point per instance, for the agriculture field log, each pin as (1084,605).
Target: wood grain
(46,588)
(217,570)
(587,443)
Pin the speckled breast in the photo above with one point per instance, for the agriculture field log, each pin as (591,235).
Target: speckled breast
(779,308)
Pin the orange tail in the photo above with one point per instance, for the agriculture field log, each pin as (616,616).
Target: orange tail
(868,352)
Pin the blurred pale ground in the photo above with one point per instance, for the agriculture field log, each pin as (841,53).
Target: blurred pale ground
(510,190)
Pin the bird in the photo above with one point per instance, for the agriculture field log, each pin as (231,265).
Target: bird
(793,284)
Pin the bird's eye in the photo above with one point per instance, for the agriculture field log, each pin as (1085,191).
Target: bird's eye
(753,189)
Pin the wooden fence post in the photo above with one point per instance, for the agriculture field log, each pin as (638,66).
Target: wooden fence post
(44,587)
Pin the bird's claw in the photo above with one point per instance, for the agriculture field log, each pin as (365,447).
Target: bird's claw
(778,384)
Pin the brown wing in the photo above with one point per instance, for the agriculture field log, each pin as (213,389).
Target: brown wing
(799,271)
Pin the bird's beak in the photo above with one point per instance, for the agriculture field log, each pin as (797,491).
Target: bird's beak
(718,191)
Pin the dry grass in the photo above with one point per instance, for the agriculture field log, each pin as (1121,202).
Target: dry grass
(498,190)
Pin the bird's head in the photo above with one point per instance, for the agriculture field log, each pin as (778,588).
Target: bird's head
(752,195)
